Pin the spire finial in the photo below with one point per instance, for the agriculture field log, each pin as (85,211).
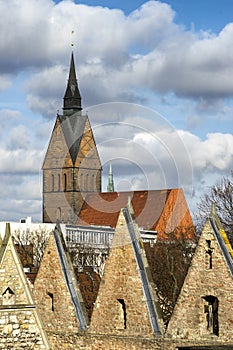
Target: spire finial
(110,187)
(72,39)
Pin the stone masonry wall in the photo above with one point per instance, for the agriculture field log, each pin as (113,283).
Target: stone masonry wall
(51,293)
(121,304)
(20,326)
(208,277)
(19,330)
(103,342)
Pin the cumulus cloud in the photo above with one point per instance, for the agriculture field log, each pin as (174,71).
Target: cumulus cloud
(19,161)
(5,82)
(148,152)
(20,197)
(148,50)
(148,60)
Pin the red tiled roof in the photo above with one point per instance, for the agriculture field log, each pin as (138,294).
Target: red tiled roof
(153,209)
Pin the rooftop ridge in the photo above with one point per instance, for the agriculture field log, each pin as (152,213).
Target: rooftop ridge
(69,281)
(134,236)
(221,230)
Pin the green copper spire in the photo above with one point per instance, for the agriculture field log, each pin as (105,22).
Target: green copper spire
(110,187)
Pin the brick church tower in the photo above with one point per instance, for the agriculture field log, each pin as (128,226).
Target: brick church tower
(71,167)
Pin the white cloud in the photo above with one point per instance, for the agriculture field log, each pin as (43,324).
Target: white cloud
(133,58)
(18,138)
(20,161)
(5,82)
(215,153)
(147,50)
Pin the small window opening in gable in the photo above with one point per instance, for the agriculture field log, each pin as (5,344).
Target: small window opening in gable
(209,253)
(211,311)
(51,301)
(121,319)
(8,297)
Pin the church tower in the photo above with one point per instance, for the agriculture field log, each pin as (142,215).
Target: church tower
(71,167)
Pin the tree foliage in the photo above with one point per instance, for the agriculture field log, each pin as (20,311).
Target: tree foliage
(221,194)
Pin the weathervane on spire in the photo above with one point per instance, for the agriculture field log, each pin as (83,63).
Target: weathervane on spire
(72,39)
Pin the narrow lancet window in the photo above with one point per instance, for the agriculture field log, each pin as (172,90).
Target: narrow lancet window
(65,182)
(58,214)
(8,297)
(58,182)
(211,311)
(209,252)
(52,183)
(51,301)
(121,319)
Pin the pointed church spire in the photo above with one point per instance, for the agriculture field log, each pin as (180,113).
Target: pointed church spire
(110,187)
(72,98)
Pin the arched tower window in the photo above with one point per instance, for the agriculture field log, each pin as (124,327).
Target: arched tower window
(52,183)
(58,182)
(58,214)
(65,182)
(93,185)
(86,187)
(80,184)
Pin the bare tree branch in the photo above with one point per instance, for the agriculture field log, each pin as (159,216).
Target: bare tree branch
(221,194)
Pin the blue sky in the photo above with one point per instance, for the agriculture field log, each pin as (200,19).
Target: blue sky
(155,78)
(204,15)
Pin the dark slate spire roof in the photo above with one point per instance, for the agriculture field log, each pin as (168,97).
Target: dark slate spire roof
(72,98)
(72,120)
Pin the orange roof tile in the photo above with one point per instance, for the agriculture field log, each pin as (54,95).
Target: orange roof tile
(153,209)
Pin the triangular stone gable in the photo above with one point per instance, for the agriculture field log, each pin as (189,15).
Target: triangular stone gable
(56,291)
(204,308)
(19,319)
(123,306)
(57,155)
(88,154)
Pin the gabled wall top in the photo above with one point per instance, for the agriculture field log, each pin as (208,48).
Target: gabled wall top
(126,303)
